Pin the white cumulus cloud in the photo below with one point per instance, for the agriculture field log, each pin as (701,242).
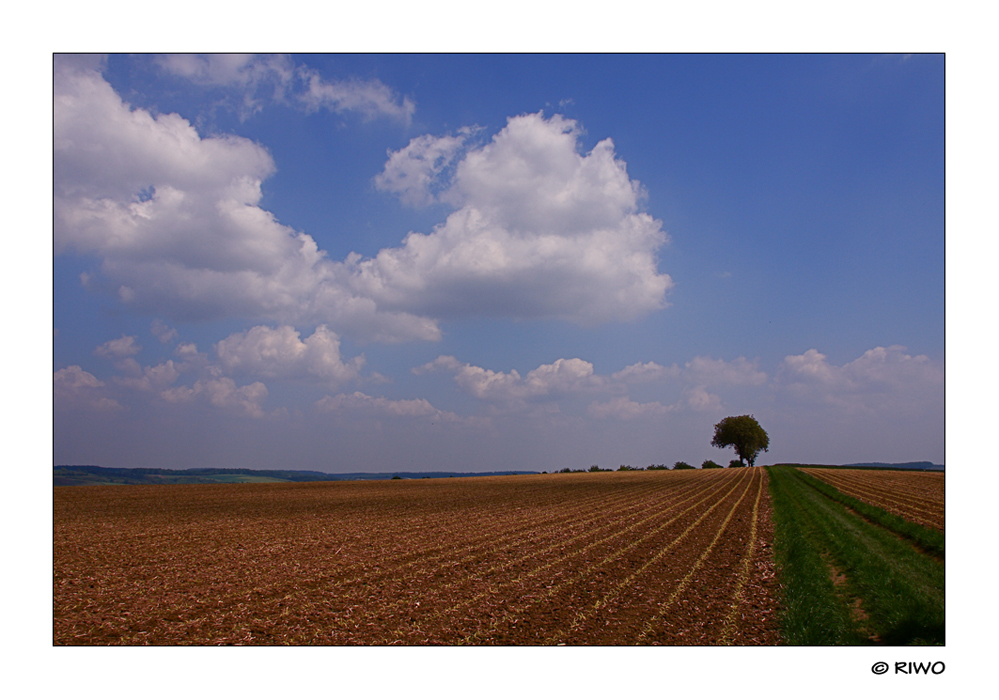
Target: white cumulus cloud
(228,69)
(222,392)
(883,378)
(371,98)
(623,408)
(176,220)
(708,371)
(73,387)
(541,230)
(562,377)
(118,348)
(163,332)
(281,353)
(572,378)
(153,378)
(261,78)
(646,373)
(700,399)
(414,172)
(360,404)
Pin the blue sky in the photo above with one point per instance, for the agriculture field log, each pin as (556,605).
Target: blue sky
(470,263)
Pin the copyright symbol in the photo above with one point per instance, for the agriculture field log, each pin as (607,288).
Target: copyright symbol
(879,668)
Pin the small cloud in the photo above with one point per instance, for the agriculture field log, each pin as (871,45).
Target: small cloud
(706,371)
(75,377)
(640,373)
(223,393)
(124,346)
(371,98)
(360,404)
(562,377)
(699,399)
(414,172)
(282,354)
(163,332)
(623,408)
(152,378)
(186,350)
(73,387)
(255,80)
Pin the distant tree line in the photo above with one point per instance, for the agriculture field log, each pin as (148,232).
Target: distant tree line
(743,433)
(706,464)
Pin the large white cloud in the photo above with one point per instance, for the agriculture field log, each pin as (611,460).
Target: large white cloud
(541,231)
(281,353)
(176,221)
(532,179)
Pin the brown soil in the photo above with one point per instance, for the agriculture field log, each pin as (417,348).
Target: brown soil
(610,558)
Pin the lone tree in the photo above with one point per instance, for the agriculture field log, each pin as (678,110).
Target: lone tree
(744,434)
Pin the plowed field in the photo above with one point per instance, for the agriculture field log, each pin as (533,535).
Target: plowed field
(602,558)
(915,496)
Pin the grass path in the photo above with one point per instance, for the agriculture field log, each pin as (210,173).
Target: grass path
(846,579)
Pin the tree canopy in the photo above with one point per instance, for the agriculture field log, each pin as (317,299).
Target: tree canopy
(744,434)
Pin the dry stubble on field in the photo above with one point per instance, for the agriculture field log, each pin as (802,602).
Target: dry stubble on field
(602,558)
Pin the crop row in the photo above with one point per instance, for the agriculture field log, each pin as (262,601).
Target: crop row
(556,559)
(578,578)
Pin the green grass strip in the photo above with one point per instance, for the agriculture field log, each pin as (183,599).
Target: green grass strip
(900,589)
(931,541)
(811,612)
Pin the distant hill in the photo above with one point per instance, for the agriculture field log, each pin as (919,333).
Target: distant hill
(65,475)
(899,465)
